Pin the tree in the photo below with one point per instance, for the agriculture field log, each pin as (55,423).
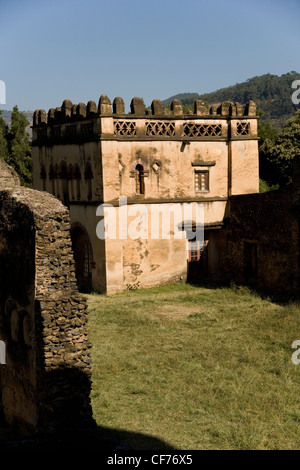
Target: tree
(265,129)
(19,149)
(277,155)
(270,92)
(3,141)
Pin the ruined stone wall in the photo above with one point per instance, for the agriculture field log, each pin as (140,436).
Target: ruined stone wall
(46,381)
(261,240)
(8,176)
(17,272)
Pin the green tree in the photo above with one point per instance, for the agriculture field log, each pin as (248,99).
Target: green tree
(266,132)
(265,129)
(19,149)
(278,154)
(3,140)
(271,93)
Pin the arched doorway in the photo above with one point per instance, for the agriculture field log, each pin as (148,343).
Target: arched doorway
(83,257)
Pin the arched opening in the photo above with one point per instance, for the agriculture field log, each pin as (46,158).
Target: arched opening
(52,177)
(57,189)
(139,179)
(43,176)
(77,177)
(63,174)
(88,175)
(83,257)
(70,179)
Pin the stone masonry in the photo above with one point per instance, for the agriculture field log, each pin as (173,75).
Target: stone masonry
(8,176)
(261,239)
(45,383)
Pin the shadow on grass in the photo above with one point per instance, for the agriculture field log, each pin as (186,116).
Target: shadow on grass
(66,408)
(278,298)
(97,438)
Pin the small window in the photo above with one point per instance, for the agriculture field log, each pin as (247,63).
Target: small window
(139,179)
(196,249)
(201,180)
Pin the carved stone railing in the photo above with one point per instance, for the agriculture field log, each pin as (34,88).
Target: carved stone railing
(70,123)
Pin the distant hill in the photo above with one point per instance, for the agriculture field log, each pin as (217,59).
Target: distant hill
(271,93)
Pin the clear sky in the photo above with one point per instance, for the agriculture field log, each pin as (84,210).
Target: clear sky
(79,49)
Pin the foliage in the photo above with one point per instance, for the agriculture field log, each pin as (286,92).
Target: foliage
(265,187)
(278,151)
(3,141)
(15,146)
(271,93)
(265,129)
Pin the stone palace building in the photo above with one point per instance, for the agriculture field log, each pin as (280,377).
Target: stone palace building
(113,170)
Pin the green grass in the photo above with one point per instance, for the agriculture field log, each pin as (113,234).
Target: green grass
(196,368)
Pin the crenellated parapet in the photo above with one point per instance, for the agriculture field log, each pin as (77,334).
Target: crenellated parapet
(75,122)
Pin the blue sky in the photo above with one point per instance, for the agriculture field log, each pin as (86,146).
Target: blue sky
(79,49)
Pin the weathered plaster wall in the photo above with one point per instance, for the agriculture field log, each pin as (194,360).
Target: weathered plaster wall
(80,154)
(170,146)
(174,177)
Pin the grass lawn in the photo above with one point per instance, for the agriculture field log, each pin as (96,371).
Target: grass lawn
(196,368)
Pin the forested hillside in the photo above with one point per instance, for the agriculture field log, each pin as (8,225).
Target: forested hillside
(271,93)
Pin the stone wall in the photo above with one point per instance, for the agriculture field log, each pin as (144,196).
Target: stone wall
(46,380)
(261,241)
